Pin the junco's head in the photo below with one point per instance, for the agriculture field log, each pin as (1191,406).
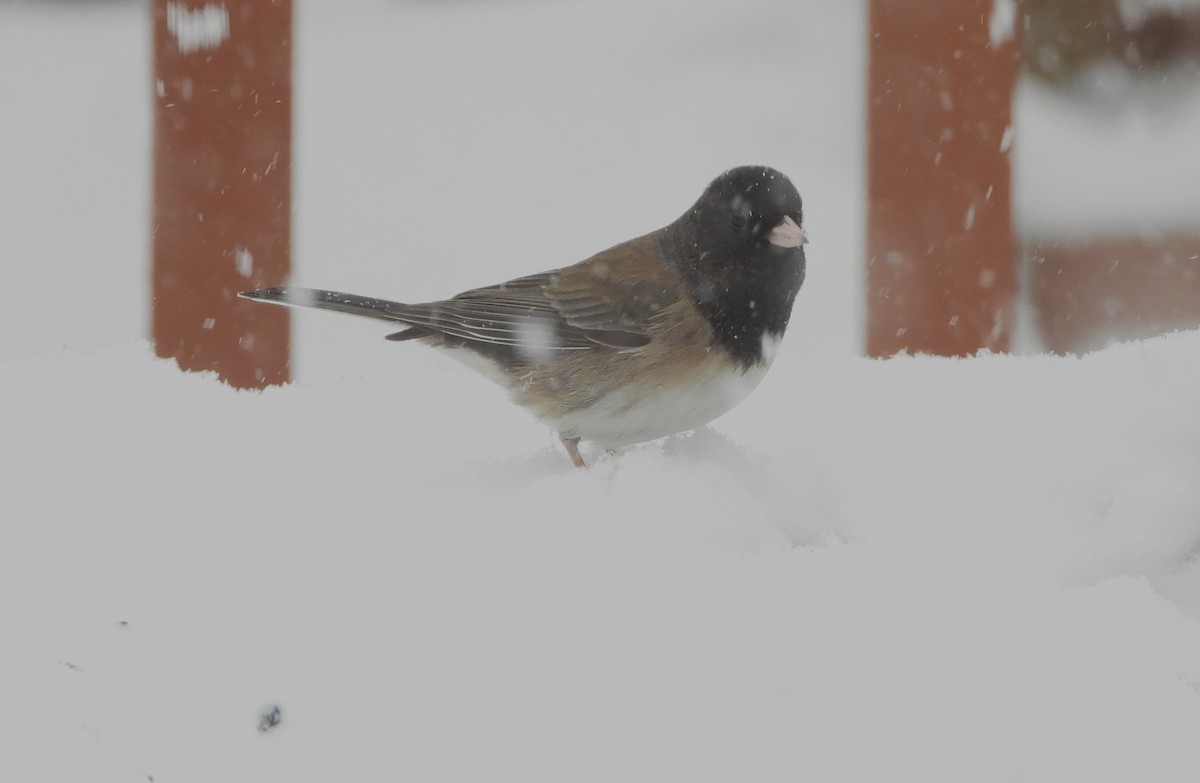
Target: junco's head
(740,249)
(744,208)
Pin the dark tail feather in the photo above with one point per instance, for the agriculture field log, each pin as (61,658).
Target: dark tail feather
(330,300)
(411,333)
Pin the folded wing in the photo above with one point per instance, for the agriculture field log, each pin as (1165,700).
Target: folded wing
(583,307)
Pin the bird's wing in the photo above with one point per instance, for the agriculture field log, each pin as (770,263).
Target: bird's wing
(609,302)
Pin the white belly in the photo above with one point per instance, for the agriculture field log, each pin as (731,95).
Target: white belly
(637,413)
(640,412)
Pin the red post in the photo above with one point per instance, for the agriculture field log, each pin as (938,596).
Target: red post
(941,251)
(1088,293)
(222,184)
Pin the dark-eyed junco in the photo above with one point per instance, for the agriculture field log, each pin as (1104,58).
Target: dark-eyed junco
(658,335)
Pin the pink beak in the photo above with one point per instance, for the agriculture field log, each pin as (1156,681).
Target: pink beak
(787,234)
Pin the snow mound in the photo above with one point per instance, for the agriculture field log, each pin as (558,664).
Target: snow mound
(978,569)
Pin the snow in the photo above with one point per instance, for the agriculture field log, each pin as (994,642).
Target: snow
(244,260)
(1002,22)
(197,29)
(944,570)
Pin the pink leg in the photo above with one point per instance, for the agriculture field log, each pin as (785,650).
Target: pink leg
(572,446)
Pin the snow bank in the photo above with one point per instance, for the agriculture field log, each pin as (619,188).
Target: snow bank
(928,569)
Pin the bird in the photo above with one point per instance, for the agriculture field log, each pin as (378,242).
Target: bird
(657,335)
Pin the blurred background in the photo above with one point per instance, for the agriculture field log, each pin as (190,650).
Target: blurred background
(1107,170)
(444,145)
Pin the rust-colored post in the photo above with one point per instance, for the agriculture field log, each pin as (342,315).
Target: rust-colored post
(1087,293)
(222,184)
(941,251)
